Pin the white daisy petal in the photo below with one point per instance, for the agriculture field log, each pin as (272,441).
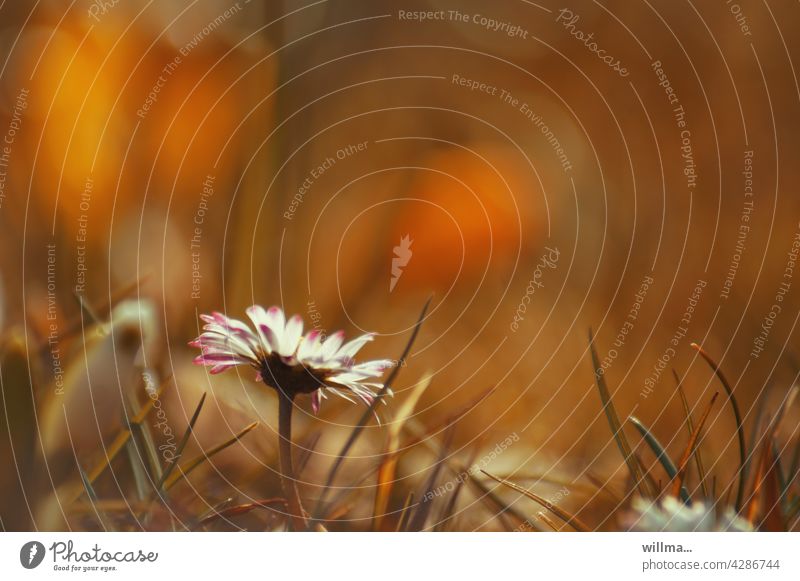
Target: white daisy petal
(331,345)
(291,336)
(309,346)
(276,346)
(266,333)
(349,350)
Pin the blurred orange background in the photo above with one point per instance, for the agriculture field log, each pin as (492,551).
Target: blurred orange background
(160,148)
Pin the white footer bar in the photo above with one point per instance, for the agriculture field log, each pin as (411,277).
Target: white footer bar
(403,556)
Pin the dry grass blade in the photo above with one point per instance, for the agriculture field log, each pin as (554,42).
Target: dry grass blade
(142,439)
(401,524)
(181,445)
(187,468)
(239,509)
(463,472)
(602,487)
(76,324)
(87,309)
(449,508)
(654,485)
(570,519)
(766,485)
(388,465)
(423,433)
(122,438)
(306,451)
(140,478)
(362,422)
(548,521)
(18,384)
(795,464)
(769,477)
(616,427)
(698,457)
(660,453)
(691,448)
(420,516)
(504,509)
(93,500)
(793,509)
(739,424)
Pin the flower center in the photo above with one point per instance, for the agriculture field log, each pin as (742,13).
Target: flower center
(290,379)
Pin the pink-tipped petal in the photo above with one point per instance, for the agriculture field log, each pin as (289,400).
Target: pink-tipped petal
(291,336)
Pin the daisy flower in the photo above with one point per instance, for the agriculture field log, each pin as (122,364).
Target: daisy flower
(672,515)
(287,360)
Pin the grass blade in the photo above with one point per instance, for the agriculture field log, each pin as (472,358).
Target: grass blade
(570,519)
(739,424)
(691,448)
(660,453)
(359,427)
(505,509)
(616,427)
(185,470)
(449,508)
(388,465)
(766,485)
(698,457)
(93,500)
(423,509)
(122,438)
(401,524)
(181,445)
(239,509)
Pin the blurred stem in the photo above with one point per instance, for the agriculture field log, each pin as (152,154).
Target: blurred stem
(285,407)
